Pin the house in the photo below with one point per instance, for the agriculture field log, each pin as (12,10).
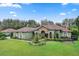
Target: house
(49,31)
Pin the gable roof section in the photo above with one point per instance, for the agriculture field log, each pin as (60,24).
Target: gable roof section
(9,30)
(54,27)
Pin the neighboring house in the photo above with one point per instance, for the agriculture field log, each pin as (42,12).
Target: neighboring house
(49,31)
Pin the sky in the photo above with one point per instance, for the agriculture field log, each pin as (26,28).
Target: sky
(55,12)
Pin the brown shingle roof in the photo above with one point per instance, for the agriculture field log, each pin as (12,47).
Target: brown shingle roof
(25,29)
(9,30)
(29,29)
(49,27)
(55,27)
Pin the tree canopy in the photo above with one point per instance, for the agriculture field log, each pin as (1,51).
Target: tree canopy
(16,23)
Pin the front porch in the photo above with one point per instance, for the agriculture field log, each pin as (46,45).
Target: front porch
(52,34)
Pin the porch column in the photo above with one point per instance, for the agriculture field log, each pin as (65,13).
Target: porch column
(38,34)
(59,34)
(48,35)
(52,34)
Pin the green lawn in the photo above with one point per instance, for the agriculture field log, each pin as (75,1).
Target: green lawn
(52,48)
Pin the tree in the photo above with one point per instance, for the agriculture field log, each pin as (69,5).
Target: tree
(77,22)
(65,22)
(59,24)
(16,23)
(68,22)
(32,23)
(50,22)
(11,23)
(45,22)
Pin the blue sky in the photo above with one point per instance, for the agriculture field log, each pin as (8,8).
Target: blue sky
(39,11)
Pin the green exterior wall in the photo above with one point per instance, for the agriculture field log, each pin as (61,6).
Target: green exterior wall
(52,33)
(29,35)
(21,35)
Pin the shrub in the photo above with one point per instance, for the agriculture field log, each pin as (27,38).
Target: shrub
(2,36)
(75,34)
(38,41)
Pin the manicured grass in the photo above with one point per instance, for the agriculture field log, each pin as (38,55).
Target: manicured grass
(15,47)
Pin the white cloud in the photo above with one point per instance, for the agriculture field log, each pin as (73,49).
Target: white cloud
(64,4)
(74,9)
(10,5)
(62,14)
(13,13)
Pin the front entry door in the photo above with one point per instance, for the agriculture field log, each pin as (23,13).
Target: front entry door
(43,34)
